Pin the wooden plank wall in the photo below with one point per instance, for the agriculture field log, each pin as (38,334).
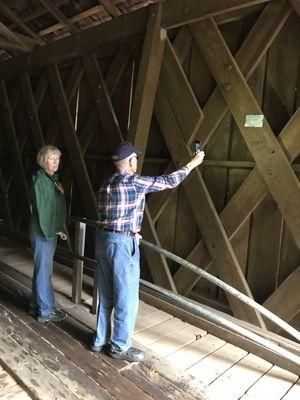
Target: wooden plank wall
(86,105)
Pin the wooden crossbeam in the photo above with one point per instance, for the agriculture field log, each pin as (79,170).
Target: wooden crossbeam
(4,201)
(184,12)
(248,57)
(174,80)
(296,5)
(32,114)
(4,10)
(7,45)
(60,16)
(102,100)
(148,74)
(14,145)
(71,140)
(204,211)
(71,88)
(250,194)
(14,39)
(110,8)
(285,301)
(262,143)
(175,12)
(85,134)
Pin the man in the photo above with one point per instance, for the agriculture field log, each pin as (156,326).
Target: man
(121,206)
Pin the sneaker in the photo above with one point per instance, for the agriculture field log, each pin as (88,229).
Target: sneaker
(54,316)
(132,354)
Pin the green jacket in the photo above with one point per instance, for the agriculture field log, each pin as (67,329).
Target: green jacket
(49,207)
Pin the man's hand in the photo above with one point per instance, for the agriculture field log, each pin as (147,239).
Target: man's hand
(138,238)
(63,235)
(197,159)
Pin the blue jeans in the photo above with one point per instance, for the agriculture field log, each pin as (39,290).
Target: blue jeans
(42,295)
(118,274)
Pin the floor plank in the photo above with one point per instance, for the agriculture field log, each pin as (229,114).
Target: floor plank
(195,351)
(174,342)
(293,393)
(235,382)
(273,385)
(210,368)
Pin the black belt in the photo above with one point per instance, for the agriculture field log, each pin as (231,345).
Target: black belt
(127,233)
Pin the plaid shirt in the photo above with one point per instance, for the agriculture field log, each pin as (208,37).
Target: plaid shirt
(121,197)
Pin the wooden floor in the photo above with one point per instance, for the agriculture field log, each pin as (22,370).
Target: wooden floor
(227,372)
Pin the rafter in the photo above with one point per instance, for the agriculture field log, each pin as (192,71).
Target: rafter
(4,10)
(119,30)
(110,8)
(60,16)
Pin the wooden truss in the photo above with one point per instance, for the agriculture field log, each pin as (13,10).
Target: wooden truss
(159,84)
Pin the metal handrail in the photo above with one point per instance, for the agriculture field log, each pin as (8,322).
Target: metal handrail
(229,289)
(218,282)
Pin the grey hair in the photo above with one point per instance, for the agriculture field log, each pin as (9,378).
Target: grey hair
(43,153)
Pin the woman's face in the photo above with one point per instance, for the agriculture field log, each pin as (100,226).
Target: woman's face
(52,163)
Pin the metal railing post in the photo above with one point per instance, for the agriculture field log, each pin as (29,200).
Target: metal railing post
(80,229)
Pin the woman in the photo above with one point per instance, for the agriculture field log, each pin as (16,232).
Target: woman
(47,221)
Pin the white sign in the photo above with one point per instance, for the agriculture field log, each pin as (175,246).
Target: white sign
(254,121)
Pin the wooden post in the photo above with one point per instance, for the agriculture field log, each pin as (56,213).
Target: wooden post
(147,80)
(80,229)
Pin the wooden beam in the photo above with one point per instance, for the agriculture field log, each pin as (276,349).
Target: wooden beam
(285,301)
(72,144)
(4,200)
(180,12)
(145,92)
(14,146)
(117,30)
(250,194)
(204,211)
(87,132)
(108,33)
(60,16)
(114,136)
(174,80)
(265,149)
(296,5)
(32,113)
(4,10)
(250,54)
(14,38)
(148,75)
(72,85)
(110,8)
(116,70)
(103,102)
(8,45)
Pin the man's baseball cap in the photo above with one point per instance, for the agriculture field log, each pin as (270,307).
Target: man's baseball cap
(124,150)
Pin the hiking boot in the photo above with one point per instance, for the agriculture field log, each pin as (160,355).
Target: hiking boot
(54,316)
(132,354)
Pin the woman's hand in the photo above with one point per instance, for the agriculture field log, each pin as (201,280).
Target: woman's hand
(63,235)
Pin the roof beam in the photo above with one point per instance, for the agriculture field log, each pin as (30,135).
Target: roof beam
(60,17)
(5,11)
(110,8)
(180,12)
(118,30)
